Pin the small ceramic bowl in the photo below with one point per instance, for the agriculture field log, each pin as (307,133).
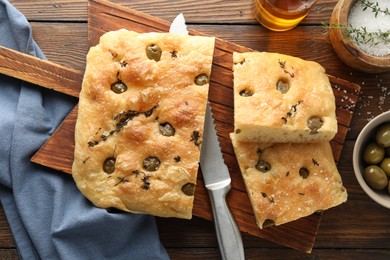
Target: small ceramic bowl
(348,52)
(365,136)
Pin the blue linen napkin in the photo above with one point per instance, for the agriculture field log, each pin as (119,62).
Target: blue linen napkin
(48,216)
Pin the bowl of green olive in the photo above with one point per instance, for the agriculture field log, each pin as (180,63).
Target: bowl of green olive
(371,159)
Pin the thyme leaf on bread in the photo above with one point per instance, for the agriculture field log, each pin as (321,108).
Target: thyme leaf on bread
(290,113)
(122,120)
(123,64)
(86,159)
(124,180)
(282,64)
(241,62)
(270,198)
(146,183)
(195,138)
(315,162)
(174,54)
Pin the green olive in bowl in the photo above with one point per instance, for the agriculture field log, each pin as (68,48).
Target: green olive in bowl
(373,153)
(375,177)
(383,135)
(385,165)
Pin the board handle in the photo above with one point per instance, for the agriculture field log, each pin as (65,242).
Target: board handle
(40,72)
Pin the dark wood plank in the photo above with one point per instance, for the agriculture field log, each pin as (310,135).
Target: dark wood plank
(6,238)
(272,254)
(9,254)
(63,43)
(201,12)
(40,72)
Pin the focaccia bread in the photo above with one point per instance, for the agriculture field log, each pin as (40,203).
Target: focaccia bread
(280,98)
(140,121)
(288,181)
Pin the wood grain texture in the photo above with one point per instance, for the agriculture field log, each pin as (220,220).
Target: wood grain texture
(57,153)
(9,254)
(199,12)
(64,43)
(6,239)
(272,254)
(40,72)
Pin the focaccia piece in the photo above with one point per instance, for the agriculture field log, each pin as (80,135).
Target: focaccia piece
(288,181)
(280,98)
(140,121)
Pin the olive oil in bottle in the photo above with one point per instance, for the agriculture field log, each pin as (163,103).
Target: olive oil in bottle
(281,15)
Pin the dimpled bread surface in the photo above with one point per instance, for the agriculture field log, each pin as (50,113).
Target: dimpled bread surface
(280,98)
(288,181)
(140,122)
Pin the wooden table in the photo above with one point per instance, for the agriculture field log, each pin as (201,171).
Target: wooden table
(359,228)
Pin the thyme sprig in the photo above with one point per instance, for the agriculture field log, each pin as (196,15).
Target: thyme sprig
(374,6)
(282,64)
(360,35)
(121,120)
(290,113)
(195,137)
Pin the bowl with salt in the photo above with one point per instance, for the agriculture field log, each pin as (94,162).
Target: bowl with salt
(359,31)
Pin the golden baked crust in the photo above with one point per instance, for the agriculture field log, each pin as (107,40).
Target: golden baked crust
(299,179)
(127,155)
(275,96)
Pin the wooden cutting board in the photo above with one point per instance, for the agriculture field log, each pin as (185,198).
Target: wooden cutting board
(105,16)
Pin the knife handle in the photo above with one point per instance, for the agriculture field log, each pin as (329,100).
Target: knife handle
(228,233)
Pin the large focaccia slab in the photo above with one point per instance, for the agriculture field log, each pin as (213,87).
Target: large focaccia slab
(280,98)
(140,121)
(288,181)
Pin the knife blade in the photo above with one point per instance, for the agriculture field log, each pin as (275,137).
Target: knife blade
(218,183)
(216,177)
(178,25)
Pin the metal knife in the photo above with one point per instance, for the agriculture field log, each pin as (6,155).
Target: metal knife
(216,177)
(218,183)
